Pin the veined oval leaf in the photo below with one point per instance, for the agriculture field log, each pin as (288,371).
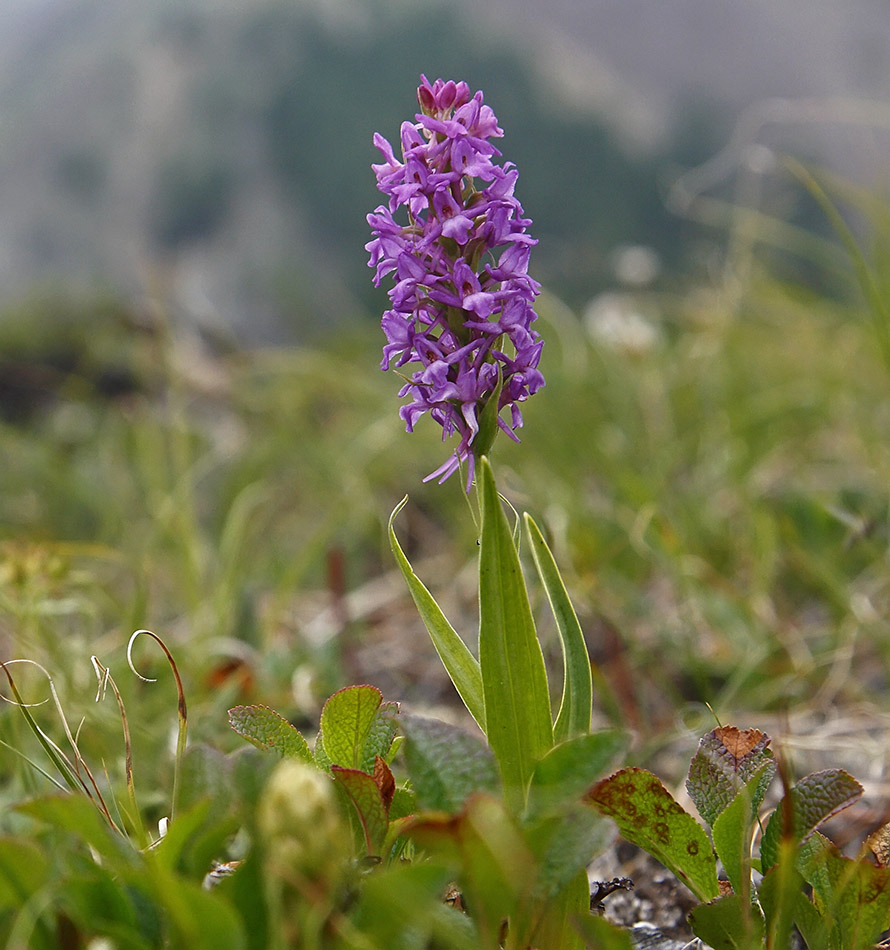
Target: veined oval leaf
(814,799)
(570,768)
(854,895)
(380,736)
(346,722)
(446,764)
(723,764)
(267,729)
(648,816)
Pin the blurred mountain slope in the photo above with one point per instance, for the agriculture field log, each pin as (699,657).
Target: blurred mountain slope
(218,152)
(223,150)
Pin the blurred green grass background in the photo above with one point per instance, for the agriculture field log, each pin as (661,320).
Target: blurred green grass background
(715,491)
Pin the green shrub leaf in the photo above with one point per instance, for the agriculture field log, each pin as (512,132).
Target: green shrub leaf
(564,845)
(724,763)
(728,923)
(380,736)
(600,933)
(346,722)
(853,896)
(198,919)
(648,816)
(266,729)
(79,816)
(781,897)
(446,764)
(206,775)
(556,925)
(570,768)
(319,756)
(487,843)
(410,892)
(814,799)
(98,902)
(404,803)
(365,794)
(24,869)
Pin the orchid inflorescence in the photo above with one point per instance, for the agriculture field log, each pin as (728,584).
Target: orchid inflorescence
(462,299)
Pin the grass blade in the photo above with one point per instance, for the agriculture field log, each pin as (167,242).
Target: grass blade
(33,765)
(182,709)
(870,289)
(573,718)
(53,752)
(72,771)
(105,679)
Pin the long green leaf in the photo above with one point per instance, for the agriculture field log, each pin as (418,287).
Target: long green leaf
(54,753)
(573,718)
(731,835)
(514,680)
(461,665)
(780,893)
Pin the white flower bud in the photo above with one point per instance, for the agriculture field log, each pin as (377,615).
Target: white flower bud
(300,822)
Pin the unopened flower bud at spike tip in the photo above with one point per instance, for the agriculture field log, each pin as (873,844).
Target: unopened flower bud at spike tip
(462,299)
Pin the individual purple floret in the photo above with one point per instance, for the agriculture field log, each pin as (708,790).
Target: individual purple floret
(461,304)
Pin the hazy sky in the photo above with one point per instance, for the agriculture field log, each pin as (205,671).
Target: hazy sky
(737,49)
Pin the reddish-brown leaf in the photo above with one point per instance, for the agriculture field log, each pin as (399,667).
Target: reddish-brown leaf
(383,779)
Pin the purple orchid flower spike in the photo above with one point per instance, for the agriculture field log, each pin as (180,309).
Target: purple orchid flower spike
(462,299)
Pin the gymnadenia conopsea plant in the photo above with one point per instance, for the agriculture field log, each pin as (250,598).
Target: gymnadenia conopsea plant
(454,240)
(462,298)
